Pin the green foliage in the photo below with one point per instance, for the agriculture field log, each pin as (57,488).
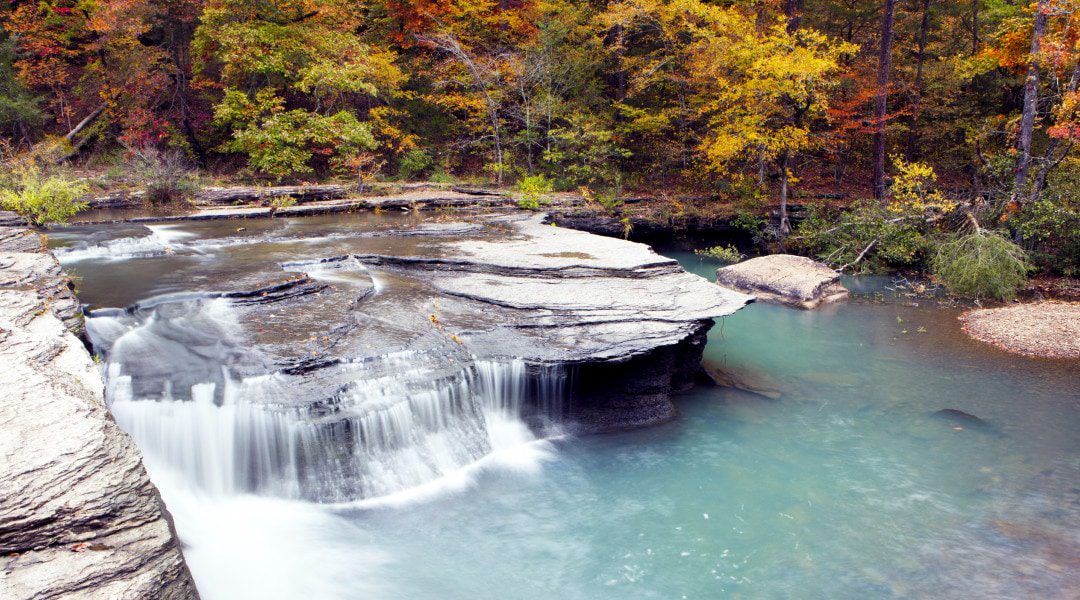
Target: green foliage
(282,202)
(727,254)
(753,224)
(283,143)
(414,164)
(1051,227)
(583,152)
(43,198)
(291,83)
(981,265)
(839,237)
(18,106)
(606,198)
(441,176)
(533,190)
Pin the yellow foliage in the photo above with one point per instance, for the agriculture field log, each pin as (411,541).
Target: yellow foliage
(913,189)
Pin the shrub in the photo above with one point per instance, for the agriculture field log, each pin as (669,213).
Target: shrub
(981,265)
(607,198)
(1051,225)
(414,164)
(43,198)
(726,254)
(1051,229)
(286,143)
(442,177)
(838,238)
(534,190)
(165,174)
(282,202)
(583,152)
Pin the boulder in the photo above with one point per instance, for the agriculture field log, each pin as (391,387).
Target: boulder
(785,279)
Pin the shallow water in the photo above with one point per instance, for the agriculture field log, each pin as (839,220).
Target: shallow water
(845,486)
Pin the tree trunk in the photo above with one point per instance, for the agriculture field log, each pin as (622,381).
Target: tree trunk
(975,26)
(913,129)
(449,44)
(90,118)
(881,99)
(1050,161)
(1031,100)
(761,170)
(785,227)
(793,11)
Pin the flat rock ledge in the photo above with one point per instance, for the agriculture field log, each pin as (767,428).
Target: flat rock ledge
(633,323)
(784,279)
(79,518)
(1040,329)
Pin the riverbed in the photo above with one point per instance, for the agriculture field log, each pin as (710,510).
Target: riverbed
(835,479)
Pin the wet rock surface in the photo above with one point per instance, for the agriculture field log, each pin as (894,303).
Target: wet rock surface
(785,279)
(494,287)
(80,518)
(548,296)
(216,204)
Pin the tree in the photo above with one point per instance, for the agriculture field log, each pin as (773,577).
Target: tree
(917,92)
(20,111)
(294,80)
(881,97)
(1031,99)
(761,91)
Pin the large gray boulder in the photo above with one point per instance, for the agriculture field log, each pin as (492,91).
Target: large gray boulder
(79,516)
(785,279)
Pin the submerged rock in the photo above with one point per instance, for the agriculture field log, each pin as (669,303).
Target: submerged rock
(961,420)
(742,379)
(785,279)
(80,518)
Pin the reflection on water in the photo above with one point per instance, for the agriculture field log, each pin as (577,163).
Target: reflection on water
(844,484)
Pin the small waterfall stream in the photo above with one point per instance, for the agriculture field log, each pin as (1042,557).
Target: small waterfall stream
(179,381)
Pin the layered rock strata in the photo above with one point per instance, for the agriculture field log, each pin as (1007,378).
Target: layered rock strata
(79,518)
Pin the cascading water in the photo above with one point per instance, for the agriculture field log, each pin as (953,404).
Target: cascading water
(162,239)
(180,382)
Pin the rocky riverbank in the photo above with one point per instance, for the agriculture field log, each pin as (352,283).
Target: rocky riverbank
(80,518)
(1042,329)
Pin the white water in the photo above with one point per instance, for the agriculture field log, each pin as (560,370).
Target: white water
(387,438)
(251,479)
(400,424)
(163,239)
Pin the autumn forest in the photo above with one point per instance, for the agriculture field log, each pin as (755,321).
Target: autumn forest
(758,103)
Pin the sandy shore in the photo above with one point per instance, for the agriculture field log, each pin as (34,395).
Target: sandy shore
(1043,329)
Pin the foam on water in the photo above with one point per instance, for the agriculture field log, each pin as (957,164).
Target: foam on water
(250,478)
(246,546)
(399,424)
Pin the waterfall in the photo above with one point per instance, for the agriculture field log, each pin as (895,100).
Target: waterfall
(396,425)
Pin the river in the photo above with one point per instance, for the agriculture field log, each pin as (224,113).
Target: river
(839,482)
